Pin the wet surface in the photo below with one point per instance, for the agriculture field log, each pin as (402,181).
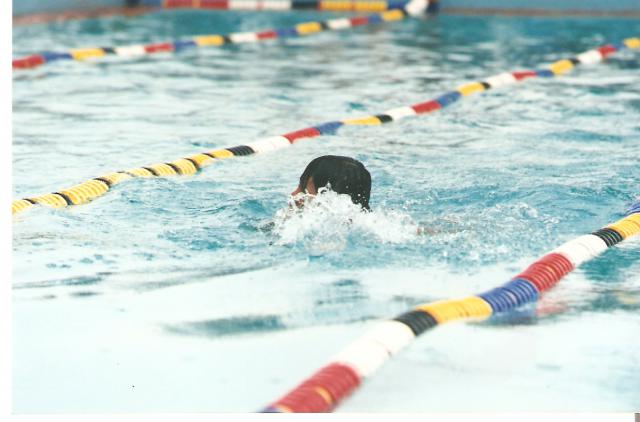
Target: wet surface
(207,296)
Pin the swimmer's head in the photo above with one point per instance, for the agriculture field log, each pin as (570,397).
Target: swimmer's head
(343,175)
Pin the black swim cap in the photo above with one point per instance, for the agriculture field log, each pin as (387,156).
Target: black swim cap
(344,174)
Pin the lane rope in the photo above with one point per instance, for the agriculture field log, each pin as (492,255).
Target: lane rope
(91,189)
(346,370)
(397,13)
(140,7)
(320,5)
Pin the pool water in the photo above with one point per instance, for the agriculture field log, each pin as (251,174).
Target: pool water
(195,294)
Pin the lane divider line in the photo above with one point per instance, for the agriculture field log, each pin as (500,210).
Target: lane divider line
(96,187)
(346,370)
(397,13)
(321,5)
(149,6)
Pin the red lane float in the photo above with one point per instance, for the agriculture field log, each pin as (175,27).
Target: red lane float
(320,392)
(309,132)
(426,107)
(28,62)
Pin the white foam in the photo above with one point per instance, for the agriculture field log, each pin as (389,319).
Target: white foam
(326,221)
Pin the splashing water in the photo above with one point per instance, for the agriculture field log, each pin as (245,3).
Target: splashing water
(173,283)
(327,221)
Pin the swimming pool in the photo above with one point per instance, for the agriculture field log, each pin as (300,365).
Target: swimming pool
(171,295)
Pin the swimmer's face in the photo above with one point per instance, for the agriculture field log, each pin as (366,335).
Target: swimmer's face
(310,189)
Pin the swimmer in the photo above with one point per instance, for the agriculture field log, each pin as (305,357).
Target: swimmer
(343,175)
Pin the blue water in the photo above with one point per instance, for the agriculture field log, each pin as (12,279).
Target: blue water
(177,294)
